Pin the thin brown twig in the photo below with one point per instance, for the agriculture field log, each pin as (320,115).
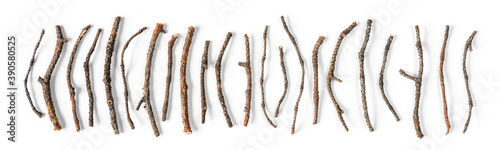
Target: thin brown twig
(331,75)
(68,77)
(441,79)
(468,46)
(219,80)
(204,66)
(361,56)
(381,79)
(248,69)
(45,81)
(87,79)
(110,47)
(263,103)
(184,85)
(38,113)
(418,83)
(146,97)
(285,80)
(122,66)
(315,68)
(303,72)
(169,77)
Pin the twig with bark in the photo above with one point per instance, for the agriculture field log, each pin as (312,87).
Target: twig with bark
(204,66)
(361,56)
(68,77)
(87,78)
(219,80)
(285,81)
(32,61)
(184,85)
(110,47)
(331,75)
(45,81)
(169,77)
(418,83)
(468,46)
(315,70)
(381,78)
(248,69)
(263,103)
(122,66)
(441,79)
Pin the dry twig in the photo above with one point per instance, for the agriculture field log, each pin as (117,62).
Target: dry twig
(285,80)
(441,79)
(169,77)
(248,69)
(361,56)
(381,78)
(219,80)
(263,103)
(315,68)
(468,46)
(184,85)
(87,78)
(38,113)
(204,66)
(110,47)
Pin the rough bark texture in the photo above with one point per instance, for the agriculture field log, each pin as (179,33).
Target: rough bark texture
(147,76)
(68,77)
(331,75)
(248,69)
(122,66)
(361,56)
(184,85)
(263,103)
(441,79)
(32,61)
(219,80)
(110,47)
(87,78)
(45,81)
(381,78)
(315,69)
(418,83)
(303,72)
(169,77)
(204,66)
(468,46)
(285,80)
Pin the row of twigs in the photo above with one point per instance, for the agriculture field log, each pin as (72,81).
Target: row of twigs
(146,99)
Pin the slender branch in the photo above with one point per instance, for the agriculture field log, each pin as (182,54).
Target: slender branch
(381,79)
(68,77)
(248,69)
(361,56)
(45,81)
(331,75)
(303,72)
(315,68)
(110,47)
(441,79)
(263,103)
(204,66)
(122,66)
(38,113)
(169,77)
(468,46)
(219,80)
(87,79)
(418,83)
(184,85)
(285,80)
(146,97)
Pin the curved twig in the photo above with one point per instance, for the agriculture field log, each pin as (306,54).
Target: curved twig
(331,75)
(68,77)
(38,113)
(315,68)
(361,56)
(219,80)
(122,66)
(285,80)
(381,79)
(263,60)
(169,77)
(184,85)
(204,66)
(468,46)
(110,47)
(441,79)
(87,79)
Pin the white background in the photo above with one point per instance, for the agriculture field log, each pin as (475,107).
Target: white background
(307,20)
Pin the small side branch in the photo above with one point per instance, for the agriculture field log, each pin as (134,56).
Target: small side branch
(468,46)
(38,113)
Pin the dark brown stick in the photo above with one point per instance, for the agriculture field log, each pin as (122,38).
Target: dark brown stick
(184,85)
(441,79)
(331,74)
(169,77)
(361,56)
(315,68)
(381,78)
(285,80)
(38,113)
(263,103)
(468,46)
(248,69)
(418,83)
(303,71)
(87,79)
(122,66)
(68,78)
(204,67)
(110,47)
(45,81)
(146,97)
(219,81)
